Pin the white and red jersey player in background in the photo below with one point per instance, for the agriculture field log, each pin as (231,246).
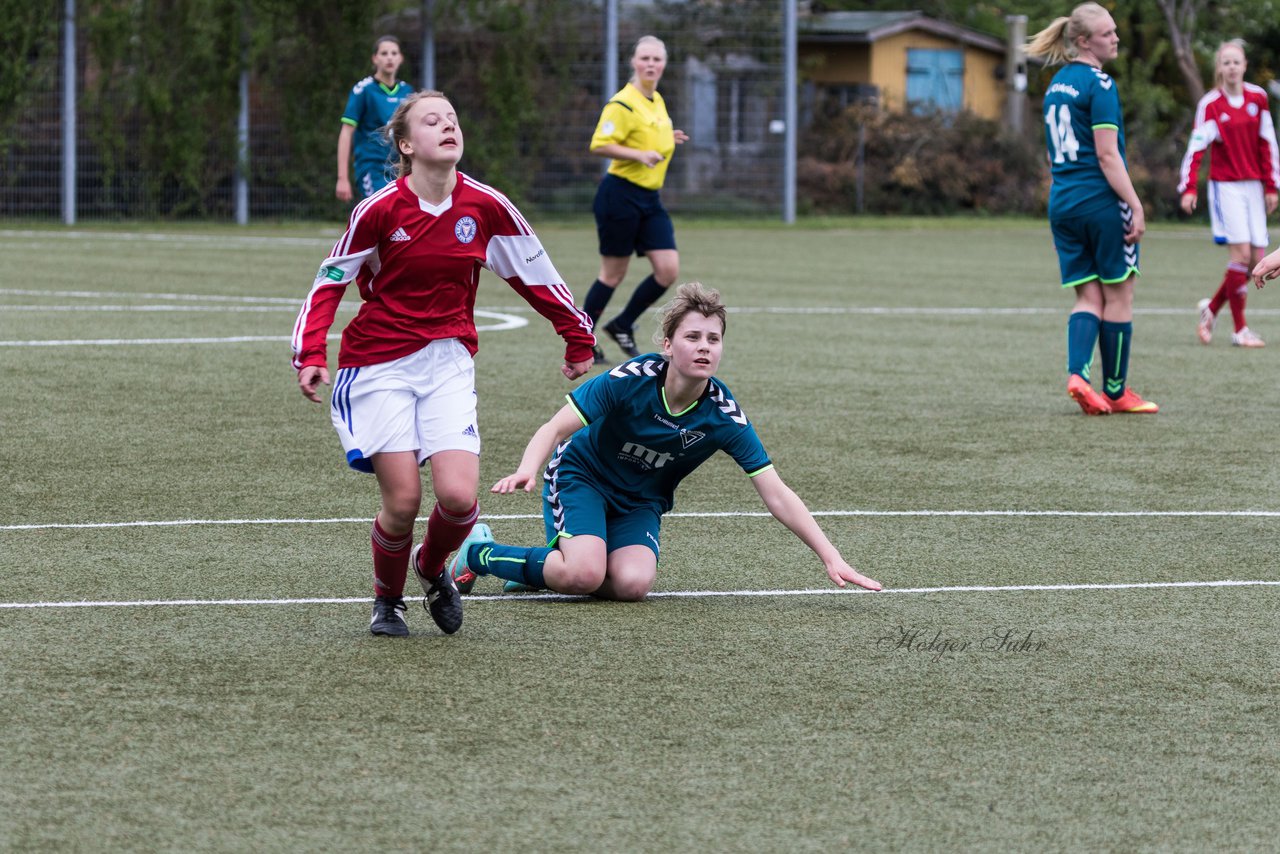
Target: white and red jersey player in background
(404,393)
(1233,123)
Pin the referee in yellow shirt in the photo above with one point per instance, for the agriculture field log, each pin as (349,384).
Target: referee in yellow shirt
(635,132)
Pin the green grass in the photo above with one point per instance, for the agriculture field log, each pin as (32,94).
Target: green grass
(1141,719)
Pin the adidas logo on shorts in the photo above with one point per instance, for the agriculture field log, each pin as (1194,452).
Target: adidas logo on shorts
(399,236)
(470,431)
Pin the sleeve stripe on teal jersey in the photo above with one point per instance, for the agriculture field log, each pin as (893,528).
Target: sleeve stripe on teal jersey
(581,417)
(347,121)
(760,471)
(1106,127)
(626,107)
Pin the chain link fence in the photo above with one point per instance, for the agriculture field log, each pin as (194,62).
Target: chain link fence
(158,101)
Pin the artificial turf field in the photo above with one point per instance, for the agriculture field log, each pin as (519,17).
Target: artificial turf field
(1056,663)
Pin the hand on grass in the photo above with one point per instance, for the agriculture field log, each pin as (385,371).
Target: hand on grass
(841,573)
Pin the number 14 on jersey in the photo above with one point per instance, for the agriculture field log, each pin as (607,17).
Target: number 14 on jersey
(1061,135)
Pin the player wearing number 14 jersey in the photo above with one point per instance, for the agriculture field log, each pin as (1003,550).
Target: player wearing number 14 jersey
(1094,211)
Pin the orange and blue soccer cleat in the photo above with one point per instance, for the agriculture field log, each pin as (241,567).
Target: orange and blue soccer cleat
(1084,394)
(1131,402)
(463,575)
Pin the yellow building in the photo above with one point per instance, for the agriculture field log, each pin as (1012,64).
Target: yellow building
(902,60)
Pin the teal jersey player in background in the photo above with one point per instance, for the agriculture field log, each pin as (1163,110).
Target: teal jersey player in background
(1094,211)
(370,106)
(622,444)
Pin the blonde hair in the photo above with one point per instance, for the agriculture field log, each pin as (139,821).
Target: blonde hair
(397,128)
(690,297)
(647,40)
(1057,42)
(1218,79)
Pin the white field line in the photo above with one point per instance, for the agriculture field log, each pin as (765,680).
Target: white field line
(263,241)
(669,594)
(743,514)
(502,322)
(327,240)
(291,304)
(505,319)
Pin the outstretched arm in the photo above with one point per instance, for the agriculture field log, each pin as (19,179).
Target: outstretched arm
(788,509)
(561,426)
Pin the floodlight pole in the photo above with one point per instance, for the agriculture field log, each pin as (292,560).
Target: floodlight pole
(69,113)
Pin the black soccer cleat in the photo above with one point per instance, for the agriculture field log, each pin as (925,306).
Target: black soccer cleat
(388,617)
(443,601)
(598,356)
(623,338)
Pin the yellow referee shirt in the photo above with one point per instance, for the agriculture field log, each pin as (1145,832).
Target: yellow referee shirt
(633,120)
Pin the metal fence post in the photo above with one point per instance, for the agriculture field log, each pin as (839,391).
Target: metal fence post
(789,95)
(428,44)
(69,114)
(242,125)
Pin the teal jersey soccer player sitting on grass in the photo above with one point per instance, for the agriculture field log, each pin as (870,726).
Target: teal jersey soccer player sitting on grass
(633,434)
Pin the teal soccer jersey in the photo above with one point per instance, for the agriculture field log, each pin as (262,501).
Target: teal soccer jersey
(368,109)
(1080,99)
(636,451)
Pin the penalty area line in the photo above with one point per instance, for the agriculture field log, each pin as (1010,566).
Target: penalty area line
(662,594)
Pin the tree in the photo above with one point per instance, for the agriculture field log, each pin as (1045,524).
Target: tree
(1183,17)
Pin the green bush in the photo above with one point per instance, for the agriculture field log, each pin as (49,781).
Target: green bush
(920,164)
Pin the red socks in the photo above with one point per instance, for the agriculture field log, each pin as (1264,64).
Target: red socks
(390,561)
(1237,284)
(445,532)
(1233,290)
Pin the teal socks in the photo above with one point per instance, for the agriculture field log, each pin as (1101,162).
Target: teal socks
(1113,345)
(1082,336)
(522,564)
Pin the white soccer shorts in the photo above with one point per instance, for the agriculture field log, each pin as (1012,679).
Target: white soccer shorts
(423,402)
(1238,212)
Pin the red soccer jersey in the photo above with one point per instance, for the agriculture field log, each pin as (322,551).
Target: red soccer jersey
(1242,138)
(417,266)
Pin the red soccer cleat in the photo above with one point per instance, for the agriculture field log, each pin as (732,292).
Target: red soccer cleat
(1131,402)
(1084,394)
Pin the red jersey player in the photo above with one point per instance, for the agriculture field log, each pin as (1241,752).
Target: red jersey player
(404,392)
(1234,123)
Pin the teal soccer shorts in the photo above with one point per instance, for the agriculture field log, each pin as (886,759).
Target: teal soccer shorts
(1092,246)
(577,507)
